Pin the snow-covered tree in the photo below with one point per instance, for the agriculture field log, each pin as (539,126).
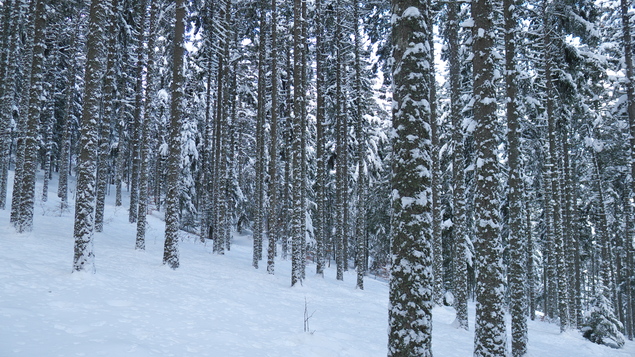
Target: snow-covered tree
(172,214)
(87,160)
(411,282)
(489,331)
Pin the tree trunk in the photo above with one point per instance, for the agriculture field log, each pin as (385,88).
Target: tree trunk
(458,171)
(260,140)
(297,129)
(145,133)
(273,148)
(24,222)
(171,251)
(320,177)
(489,331)
(106,121)
(411,282)
(517,241)
(86,168)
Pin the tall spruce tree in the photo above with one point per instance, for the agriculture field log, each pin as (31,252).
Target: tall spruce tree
(489,331)
(460,288)
(411,282)
(30,146)
(517,275)
(86,168)
(172,214)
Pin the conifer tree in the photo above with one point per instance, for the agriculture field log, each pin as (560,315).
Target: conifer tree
(458,170)
(411,282)
(489,331)
(26,192)
(172,214)
(274,223)
(86,169)
(517,246)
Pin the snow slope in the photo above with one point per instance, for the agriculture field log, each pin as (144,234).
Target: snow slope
(211,306)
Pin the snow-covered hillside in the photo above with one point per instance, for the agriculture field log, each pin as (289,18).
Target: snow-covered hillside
(211,306)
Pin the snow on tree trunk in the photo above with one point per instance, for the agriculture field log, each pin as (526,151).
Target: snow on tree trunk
(437,173)
(106,121)
(630,102)
(7,90)
(489,331)
(145,133)
(360,135)
(24,222)
(320,176)
(171,250)
(86,166)
(273,225)
(23,70)
(136,138)
(458,170)
(297,129)
(517,275)
(260,141)
(341,129)
(411,282)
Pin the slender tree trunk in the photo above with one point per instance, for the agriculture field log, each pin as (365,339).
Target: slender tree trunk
(627,42)
(273,148)
(69,98)
(320,177)
(86,168)
(106,120)
(458,171)
(531,278)
(341,148)
(437,211)
(145,133)
(517,241)
(297,129)
(171,251)
(260,139)
(360,224)
(136,138)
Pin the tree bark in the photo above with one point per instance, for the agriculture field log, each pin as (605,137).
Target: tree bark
(86,168)
(411,282)
(171,251)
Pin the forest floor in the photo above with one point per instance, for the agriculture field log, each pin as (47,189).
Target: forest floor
(212,305)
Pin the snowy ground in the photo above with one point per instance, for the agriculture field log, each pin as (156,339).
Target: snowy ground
(211,306)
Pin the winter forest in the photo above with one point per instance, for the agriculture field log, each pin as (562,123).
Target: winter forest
(464,151)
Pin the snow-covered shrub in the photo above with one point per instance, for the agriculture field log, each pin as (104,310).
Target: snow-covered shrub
(601,326)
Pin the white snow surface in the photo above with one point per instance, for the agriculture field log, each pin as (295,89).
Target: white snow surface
(210,306)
